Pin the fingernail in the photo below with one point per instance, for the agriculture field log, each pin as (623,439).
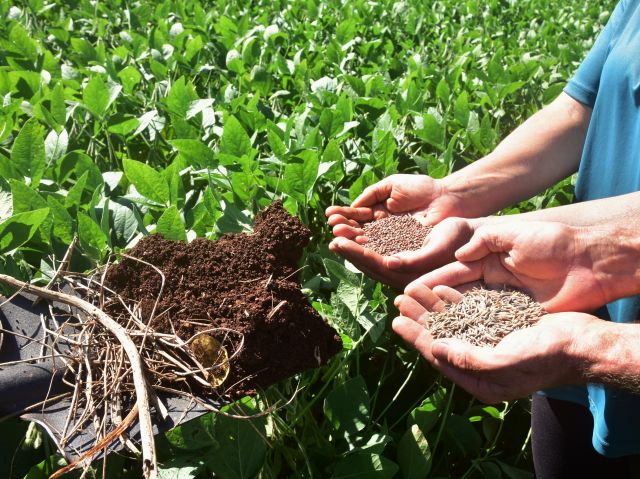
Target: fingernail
(439,348)
(393,262)
(397,301)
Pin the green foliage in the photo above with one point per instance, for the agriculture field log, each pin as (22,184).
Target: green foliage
(122,119)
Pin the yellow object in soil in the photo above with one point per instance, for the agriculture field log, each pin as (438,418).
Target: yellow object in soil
(213,356)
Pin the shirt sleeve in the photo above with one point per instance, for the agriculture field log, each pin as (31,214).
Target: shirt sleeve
(584,85)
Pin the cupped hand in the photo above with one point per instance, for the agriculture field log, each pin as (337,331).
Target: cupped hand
(418,195)
(547,260)
(542,356)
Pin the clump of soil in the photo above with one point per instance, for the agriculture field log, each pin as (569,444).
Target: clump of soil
(483,317)
(244,282)
(393,234)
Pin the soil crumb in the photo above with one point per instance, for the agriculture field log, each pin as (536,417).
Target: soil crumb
(484,316)
(394,234)
(244,282)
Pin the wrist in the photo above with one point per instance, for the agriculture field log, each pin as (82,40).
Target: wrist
(612,252)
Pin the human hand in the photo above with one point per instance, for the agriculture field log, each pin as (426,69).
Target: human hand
(421,196)
(550,261)
(525,361)
(400,269)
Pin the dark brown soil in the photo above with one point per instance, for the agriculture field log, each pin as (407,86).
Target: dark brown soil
(248,283)
(394,234)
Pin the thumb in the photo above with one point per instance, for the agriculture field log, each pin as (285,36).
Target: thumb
(484,242)
(456,353)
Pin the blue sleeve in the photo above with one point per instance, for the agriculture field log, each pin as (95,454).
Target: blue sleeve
(584,85)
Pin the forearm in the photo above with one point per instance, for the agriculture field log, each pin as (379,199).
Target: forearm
(608,353)
(543,150)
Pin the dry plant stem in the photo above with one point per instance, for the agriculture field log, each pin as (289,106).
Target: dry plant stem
(150,467)
(104,442)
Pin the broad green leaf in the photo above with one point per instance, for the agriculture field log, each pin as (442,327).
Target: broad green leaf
(25,198)
(195,434)
(55,145)
(365,466)
(195,152)
(62,220)
(149,182)
(92,239)
(414,454)
(460,435)
(443,91)
(20,228)
(461,109)
(235,140)
(58,107)
(97,96)
(27,153)
(74,195)
(241,450)
(514,472)
(432,131)
(170,225)
(347,406)
(300,175)
(180,97)
(427,414)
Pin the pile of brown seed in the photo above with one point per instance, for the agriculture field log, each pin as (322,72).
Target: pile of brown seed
(394,234)
(483,317)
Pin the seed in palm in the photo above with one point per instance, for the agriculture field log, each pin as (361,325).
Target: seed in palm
(483,316)
(394,234)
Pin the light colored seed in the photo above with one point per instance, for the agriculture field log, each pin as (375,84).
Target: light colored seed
(484,316)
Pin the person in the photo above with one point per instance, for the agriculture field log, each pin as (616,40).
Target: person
(592,127)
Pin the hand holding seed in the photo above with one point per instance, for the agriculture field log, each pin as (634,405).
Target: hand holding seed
(524,361)
(548,260)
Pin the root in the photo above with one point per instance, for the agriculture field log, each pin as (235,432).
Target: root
(150,468)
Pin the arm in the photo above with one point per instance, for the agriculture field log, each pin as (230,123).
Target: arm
(543,150)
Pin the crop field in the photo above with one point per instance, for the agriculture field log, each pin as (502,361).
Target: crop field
(121,119)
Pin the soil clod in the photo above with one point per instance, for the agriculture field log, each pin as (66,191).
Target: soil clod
(483,317)
(393,234)
(246,283)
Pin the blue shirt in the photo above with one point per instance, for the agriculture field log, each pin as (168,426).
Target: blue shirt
(608,81)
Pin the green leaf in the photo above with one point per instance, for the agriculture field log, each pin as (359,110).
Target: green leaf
(414,454)
(62,220)
(427,414)
(149,182)
(235,140)
(195,434)
(460,434)
(365,466)
(347,406)
(27,153)
(97,97)
(195,152)
(180,97)
(432,131)
(74,195)
(461,109)
(170,225)
(58,107)
(241,450)
(24,198)
(92,239)
(20,228)
(443,91)
(300,175)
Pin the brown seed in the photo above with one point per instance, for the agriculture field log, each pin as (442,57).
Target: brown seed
(394,234)
(483,316)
